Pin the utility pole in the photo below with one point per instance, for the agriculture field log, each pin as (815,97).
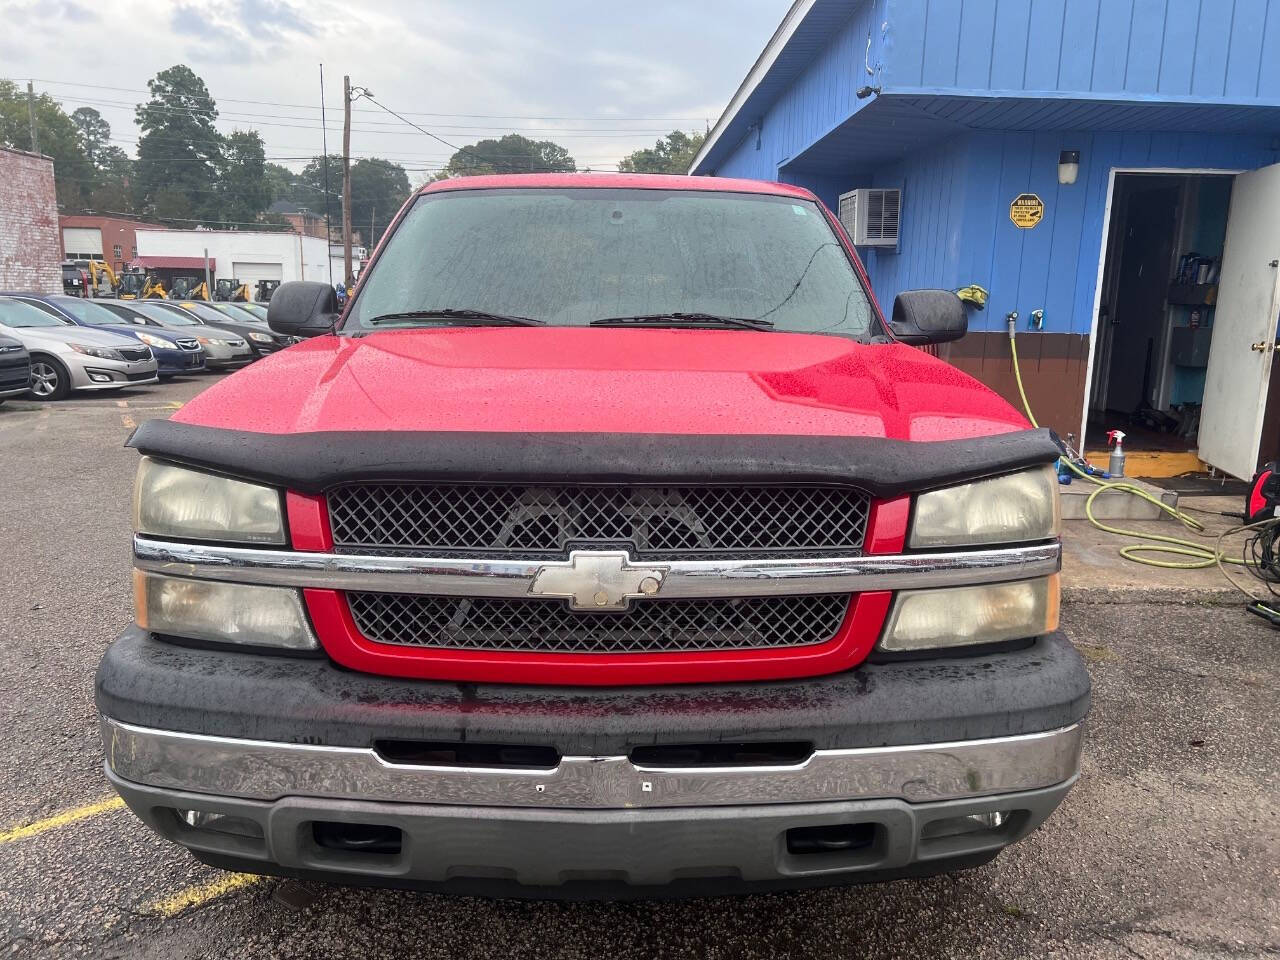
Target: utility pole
(368,242)
(346,183)
(324,141)
(31,116)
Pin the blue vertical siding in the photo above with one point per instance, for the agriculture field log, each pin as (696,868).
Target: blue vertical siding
(1145,49)
(955,215)
(820,99)
(934,196)
(956,191)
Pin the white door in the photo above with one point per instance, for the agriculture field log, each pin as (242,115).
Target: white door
(1244,326)
(251,273)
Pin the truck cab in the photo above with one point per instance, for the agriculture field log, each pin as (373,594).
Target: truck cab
(609,541)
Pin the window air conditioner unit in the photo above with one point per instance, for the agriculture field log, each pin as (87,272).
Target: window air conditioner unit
(872,215)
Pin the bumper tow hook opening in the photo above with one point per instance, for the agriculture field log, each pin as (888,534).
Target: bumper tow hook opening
(831,838)
(372,838)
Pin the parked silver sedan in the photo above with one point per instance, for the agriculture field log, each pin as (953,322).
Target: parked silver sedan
(66,357)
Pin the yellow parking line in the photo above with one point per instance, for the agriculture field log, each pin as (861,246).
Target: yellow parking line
(177,405)
(59,820)
(202,893)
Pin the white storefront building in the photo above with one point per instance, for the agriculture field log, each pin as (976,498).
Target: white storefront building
(247,256)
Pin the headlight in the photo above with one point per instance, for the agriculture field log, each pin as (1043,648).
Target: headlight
(102,353)
(260,337)
(153,341)
(1016,507)
(171,501)
(960,616)
(222,612)
(212,341)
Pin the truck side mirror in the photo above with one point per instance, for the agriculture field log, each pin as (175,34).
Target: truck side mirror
(303,308)
(928,316)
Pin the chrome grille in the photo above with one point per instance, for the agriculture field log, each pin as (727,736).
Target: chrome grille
(549,626)
(653,522)
(189,344)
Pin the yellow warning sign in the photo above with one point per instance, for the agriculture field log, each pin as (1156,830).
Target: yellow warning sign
(1026,210)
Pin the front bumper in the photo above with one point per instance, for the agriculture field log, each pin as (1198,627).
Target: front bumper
(172,363)
(95,373)
(592,853)
(221,356)
(895,747)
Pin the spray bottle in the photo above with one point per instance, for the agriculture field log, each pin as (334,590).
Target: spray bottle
(1116,465)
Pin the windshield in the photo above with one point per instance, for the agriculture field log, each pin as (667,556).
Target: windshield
(87,311)
(166,315)
(253,309)
(567,257)
(15,313)
(203,311)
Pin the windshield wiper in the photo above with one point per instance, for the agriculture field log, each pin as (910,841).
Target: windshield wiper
(683,320)
(477,317)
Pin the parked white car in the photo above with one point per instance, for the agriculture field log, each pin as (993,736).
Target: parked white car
(66,357)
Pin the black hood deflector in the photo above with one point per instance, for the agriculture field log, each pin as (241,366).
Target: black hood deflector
(313,462)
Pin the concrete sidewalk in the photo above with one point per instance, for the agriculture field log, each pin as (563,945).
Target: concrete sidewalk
(1094,572)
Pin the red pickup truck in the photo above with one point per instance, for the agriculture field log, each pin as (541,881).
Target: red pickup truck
(609,541)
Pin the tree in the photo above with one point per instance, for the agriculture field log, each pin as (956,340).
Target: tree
(509,154)
(308,187)
(114,190)
(674,153)
(378,188)
(94,133)
(282,181)
(243,191)
(180,150)
(59,138)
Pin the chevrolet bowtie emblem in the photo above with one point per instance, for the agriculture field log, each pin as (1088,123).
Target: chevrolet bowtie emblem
(597,580)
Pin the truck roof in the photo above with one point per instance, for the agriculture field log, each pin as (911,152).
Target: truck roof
(640,181)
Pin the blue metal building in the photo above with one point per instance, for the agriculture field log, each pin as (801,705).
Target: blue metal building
(967,105)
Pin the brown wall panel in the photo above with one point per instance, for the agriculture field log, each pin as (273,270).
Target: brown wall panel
(1053,372)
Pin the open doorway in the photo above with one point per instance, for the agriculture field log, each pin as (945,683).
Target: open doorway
(1156,309)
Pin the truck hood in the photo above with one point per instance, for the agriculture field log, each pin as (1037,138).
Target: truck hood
(520,379)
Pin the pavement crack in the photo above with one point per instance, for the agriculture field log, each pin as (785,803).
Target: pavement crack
(1212,942)
(1122,945)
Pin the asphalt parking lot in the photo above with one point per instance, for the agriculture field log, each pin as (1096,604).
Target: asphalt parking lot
(1169,846)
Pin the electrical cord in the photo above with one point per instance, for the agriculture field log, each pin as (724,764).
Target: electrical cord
(1200,555)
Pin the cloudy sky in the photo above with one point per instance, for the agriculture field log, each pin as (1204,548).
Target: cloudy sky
(601,79)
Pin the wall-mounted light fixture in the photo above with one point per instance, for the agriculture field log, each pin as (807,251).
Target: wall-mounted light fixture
(1068,167)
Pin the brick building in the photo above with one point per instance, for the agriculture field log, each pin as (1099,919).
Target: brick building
(30,255)
(113,239)
(304,221)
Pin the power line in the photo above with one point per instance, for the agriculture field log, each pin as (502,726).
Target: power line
(226,116)
(412,113)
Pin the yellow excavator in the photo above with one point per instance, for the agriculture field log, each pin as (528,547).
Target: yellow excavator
(231,290)
(189,288)
(137,285)
(97,270)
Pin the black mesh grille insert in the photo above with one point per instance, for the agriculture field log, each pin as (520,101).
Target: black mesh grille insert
(545,521)
(649,626)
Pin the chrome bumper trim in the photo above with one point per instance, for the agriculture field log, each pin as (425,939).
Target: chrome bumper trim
(266,770)
(514,578)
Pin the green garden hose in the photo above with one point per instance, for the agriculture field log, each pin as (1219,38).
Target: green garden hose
(1201,556)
